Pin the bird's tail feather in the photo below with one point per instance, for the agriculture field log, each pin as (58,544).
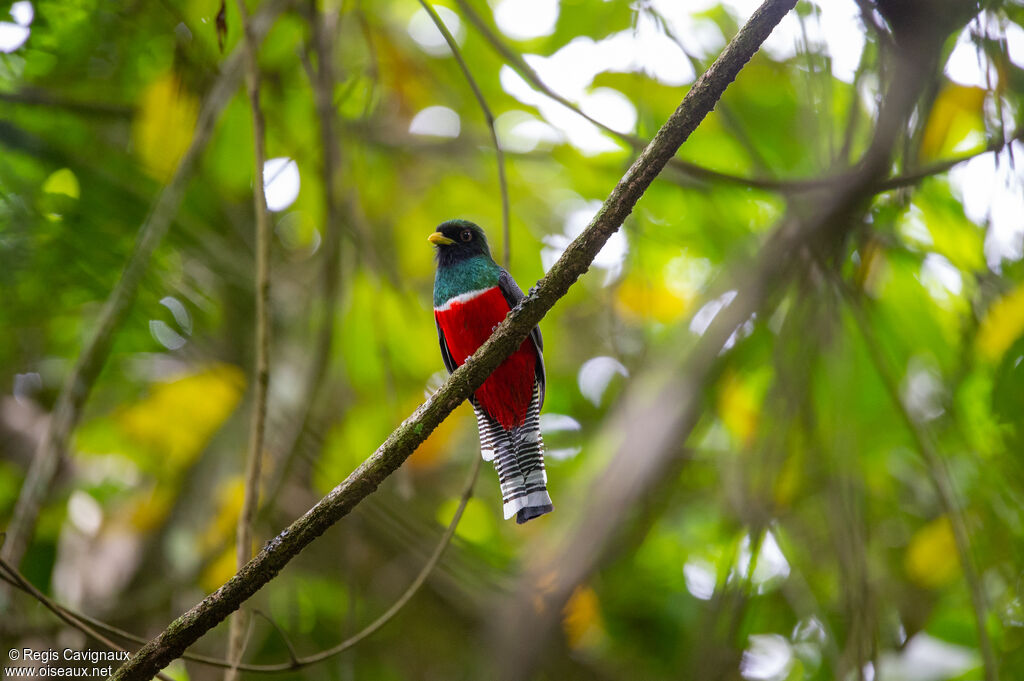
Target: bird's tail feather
(518,457)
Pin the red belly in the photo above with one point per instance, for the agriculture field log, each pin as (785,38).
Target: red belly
(507,392)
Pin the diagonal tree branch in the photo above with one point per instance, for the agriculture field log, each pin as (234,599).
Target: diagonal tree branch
(576,259)
(79,382)
(506,228)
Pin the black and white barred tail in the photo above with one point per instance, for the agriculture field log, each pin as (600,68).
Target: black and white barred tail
(518,457)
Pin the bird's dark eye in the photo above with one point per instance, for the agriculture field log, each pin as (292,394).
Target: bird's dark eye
(466,235)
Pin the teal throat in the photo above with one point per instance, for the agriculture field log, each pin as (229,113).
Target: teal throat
(466,275)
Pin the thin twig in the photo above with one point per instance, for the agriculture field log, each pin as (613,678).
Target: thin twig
(867,14)
(939,475)
(76,619)
(730,120)
(692,169)
(321,79)
(853,112)
(388,614)
(489,116)
(87,368)
(371,50)
(10,574)
(915,176)
(796,185)
(526,71)
(44,98)
(261,371)
(283,636)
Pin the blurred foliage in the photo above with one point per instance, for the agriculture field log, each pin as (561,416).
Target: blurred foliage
(804,538)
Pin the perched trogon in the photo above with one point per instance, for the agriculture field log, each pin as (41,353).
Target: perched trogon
(472,295)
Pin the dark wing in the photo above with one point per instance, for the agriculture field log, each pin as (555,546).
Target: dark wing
(513,294)
(446,355)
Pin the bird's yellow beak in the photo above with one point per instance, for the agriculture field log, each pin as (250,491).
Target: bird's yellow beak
(439,239)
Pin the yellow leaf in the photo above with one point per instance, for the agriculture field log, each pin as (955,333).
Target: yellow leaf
(931,558)
(438,445)
(221,532)
(176,671)
(178,417)
(956,114)
(739,407)
(543,588)
(60,192)
(62,182)
(871,270)
(146,510)
(1002,325)
(164,125)
(581,618)
(642,300)
(230,494)
(478,524)
(789,480)
(220,570)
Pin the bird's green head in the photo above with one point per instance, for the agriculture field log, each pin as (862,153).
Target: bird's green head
(457,241)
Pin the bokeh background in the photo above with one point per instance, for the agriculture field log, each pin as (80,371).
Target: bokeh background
(803,537)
